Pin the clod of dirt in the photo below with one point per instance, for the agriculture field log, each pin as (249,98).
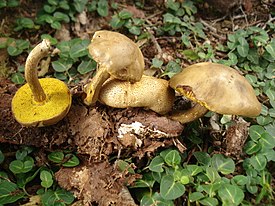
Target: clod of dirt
(236,136)
(98,183)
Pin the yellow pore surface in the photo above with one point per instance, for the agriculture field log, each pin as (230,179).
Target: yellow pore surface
(31,113)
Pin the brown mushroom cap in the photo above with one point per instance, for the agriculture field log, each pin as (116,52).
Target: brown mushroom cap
(149,92)
(117,56)
(117,53)
(217,87)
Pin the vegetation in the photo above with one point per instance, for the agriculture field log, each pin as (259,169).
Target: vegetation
(200,175)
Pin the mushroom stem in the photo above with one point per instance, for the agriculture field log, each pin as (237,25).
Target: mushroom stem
(92,89)
(190,115)
(40,51)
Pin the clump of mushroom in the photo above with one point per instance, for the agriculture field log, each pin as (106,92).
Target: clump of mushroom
(40,102)
(150,92)
(214,87)
(118,57)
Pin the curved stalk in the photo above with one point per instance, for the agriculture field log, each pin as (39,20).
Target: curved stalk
(40,51)
(92,89)
(190,115)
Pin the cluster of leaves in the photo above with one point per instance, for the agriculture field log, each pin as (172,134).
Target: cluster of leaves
(179,19)
(9,3)
(73,59)
(24,171)
(205,183)
(54,13)
(125,19)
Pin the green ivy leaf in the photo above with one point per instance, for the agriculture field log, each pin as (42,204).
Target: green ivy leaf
(240,180)
(267,141)
(251,147)
(156,164)
(173,158)
(79,49)
(58,197)
(212,174)
(243,48)
(9,192)
(123,165)
(203,158)
(2,157)
(223,164)
(195,196)
(255,132)
(46,178)
(270,48)
(231,195)
(169,189)
(86,66)
(62,65)
(209,201)
(56,157)
(18,78)
(72,160)
(258,161)
(103,8)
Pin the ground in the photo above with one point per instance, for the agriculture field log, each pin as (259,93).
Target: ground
(92,132)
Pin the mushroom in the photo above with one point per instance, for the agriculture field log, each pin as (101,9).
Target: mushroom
(150,92)
(40,102)
(214,87)
(117,56)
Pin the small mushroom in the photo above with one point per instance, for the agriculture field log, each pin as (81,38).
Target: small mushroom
(40,102)
(150,92)
(214,87)
(117,56)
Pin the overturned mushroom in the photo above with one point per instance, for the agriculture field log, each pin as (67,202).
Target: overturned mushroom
(40,102)
(149,92)
(214,87)
(117,56)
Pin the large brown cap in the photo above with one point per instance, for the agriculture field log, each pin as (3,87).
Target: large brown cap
(118,54)
(149,92)
(217,87)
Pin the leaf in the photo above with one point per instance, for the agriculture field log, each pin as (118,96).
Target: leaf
(50,197)
(173,158)
(125,14)
(209,201)
(195,196)
(169,189)
(123,165)
(14,51)
(86,66)
(56,25)
(203,158)
(243,48)
(231,195)
(190,54)
(258,161)
(17,78)
(79,49)
(62,65)
(255,132)
(156,164)
(252,147)
(9,192)
(46,178)
(267,141)
(194,169)
(240,180)
(16,166)
(2,157)
(56,157)
(59,16)
(212,174)
(223,164)
(270,48)
(79,5)
(72,160)
(103,8)
(271,94)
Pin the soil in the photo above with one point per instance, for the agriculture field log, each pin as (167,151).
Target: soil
(94,133)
